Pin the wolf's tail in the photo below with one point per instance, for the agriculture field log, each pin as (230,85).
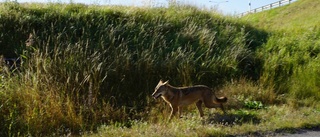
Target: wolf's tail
(222,99)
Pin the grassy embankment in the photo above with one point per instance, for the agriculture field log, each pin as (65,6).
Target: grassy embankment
(96,67)
(291,51)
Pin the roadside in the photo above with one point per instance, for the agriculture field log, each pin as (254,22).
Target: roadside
(302,133)
(305,132)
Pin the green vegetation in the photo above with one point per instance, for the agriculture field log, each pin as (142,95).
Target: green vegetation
(292,49)
(297,17)
(242,122)
(94,69)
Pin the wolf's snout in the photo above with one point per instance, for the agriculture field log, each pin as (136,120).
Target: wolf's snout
(156,96)
(153,96)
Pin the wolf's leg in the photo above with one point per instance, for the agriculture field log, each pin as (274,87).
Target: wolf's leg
(222,108)
(199,106)
(173,111)
(180,111)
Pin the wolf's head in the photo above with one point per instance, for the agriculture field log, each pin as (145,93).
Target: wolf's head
(160,89)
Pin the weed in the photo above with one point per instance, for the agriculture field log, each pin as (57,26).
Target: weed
(253,104)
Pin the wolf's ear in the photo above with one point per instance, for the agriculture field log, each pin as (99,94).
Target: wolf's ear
(166,82)
(161,81)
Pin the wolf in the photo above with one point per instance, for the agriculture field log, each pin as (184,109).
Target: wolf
(178,97)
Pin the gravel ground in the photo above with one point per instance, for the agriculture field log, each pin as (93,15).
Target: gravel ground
(302,133)
(315,132)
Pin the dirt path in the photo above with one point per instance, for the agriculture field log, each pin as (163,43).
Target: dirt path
(301,133)
(315,132)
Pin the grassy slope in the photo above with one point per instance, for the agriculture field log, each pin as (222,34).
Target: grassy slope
(301,15)
(94,65)
(292,51)
(147,44)
(290,57)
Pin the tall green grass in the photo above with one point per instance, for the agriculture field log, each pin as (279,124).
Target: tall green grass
(92,66)
(290,62)
(95,65)
(290,54)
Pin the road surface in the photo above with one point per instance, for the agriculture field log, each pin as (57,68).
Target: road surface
(301,133)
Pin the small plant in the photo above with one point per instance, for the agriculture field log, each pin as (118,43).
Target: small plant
(253,105)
